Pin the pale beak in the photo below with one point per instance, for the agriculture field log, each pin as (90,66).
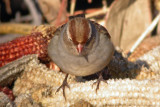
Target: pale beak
(79,48)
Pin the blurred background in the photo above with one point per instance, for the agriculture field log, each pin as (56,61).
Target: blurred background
(125,20)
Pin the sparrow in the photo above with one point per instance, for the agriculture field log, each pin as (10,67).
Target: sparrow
(80,47)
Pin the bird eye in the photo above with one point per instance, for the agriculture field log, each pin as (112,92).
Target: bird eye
(89,39)
(69,38)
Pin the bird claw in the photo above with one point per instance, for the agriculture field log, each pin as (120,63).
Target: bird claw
(99,81)
(64,84)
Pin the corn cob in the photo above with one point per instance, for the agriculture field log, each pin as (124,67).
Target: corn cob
(12,70)
(8,92)
(144,91)
(148,44)
(5,101)
(14,28)
(35,43)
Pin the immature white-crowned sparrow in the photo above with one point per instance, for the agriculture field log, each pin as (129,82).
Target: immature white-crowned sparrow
(81,47)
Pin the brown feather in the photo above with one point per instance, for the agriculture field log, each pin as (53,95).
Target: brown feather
(79,30)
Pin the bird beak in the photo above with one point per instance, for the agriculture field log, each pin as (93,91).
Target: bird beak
(79,48)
